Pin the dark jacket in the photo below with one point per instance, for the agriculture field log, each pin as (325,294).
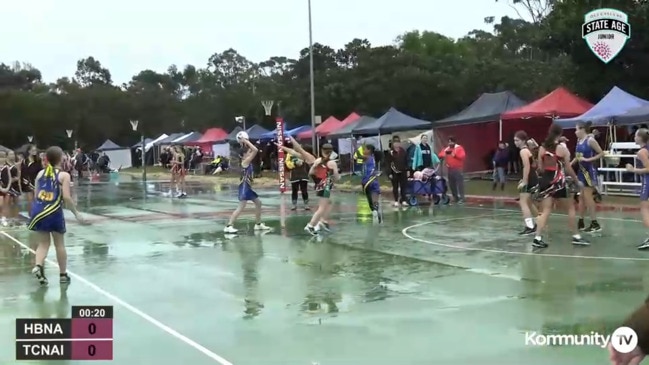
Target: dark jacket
(501,157)
(396,161)
(298,173)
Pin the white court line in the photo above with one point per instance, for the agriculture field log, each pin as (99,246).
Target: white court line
(555,214)
(490,250)
(188,341)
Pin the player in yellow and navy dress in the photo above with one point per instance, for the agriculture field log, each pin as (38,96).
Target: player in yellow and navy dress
(246,193)
(370,182)
(587,152)
(47,219)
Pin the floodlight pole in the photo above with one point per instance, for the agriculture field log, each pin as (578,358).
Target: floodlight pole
(311,79)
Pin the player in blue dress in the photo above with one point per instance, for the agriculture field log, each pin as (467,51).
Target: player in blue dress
(370,182)
(642,169)
(246,193)
(47,219)
(587,152)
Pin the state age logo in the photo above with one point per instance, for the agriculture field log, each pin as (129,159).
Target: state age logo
(606,32)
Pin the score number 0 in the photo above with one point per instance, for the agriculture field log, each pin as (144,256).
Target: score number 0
(92,329)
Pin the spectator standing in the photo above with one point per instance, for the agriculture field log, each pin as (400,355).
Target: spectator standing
(397,171)
(423,156)
(453,156)
(299,177)
(500,162)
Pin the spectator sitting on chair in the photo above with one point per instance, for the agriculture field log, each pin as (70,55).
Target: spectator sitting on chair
(453,156)
(218,165)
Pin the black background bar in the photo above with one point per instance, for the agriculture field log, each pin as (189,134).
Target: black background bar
(92,311)
(31,350)
(41,328)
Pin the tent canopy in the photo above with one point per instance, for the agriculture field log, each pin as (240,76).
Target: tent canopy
(634,116)
(170,139)
(291,132)
(320,130)
(109,146)
(487,108)
(392,121)
(351,118)
(148,146)
(139,144)
(616,102)
(211,135)
(232,137)
(256,131)
(346,131)
(558,103)
(189,137)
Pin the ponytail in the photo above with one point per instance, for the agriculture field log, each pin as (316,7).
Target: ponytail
(49,171)
(553,135)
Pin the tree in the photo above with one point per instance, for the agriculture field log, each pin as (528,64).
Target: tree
(424,74)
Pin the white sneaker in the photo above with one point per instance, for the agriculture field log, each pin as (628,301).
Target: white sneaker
(322,225)
(395,204)
(230,229)
(262,227)
(311,229)
(405,204)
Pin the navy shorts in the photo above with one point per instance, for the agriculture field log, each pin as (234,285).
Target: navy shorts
(246,193)
(587,176)
(52,222)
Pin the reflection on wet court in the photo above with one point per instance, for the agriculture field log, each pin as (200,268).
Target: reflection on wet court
(430,286)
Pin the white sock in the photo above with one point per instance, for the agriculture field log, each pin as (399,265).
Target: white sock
(577,236)
(538,238)
(529,222)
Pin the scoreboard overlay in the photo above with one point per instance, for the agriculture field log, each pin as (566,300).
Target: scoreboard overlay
(88,335)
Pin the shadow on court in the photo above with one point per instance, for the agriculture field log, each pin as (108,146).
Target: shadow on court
(430,286)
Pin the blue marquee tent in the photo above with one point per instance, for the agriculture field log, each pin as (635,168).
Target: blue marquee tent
(189,137)
(633,116)
(616,102)
(109,146)
(146,142)
(392,121)
(292,132)
(169,139)
(256,131)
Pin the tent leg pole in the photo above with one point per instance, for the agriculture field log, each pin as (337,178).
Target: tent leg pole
(500,130)
(143,159)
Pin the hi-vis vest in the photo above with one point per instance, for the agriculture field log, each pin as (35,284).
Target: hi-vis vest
(358,155)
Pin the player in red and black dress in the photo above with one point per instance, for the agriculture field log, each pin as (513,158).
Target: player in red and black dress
(553,159)
(15,189)
(5,185)
(30,168)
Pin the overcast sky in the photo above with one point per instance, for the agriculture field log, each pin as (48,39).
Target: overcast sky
(131,35)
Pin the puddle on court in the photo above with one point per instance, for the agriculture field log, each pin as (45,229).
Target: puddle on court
(293,299)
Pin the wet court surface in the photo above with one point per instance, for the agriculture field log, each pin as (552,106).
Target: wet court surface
(429,286)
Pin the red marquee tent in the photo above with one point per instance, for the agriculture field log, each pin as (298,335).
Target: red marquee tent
(535,118)
(351,118)
(210,137)
(321,130)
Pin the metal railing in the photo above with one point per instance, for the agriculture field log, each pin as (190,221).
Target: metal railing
(616,180)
